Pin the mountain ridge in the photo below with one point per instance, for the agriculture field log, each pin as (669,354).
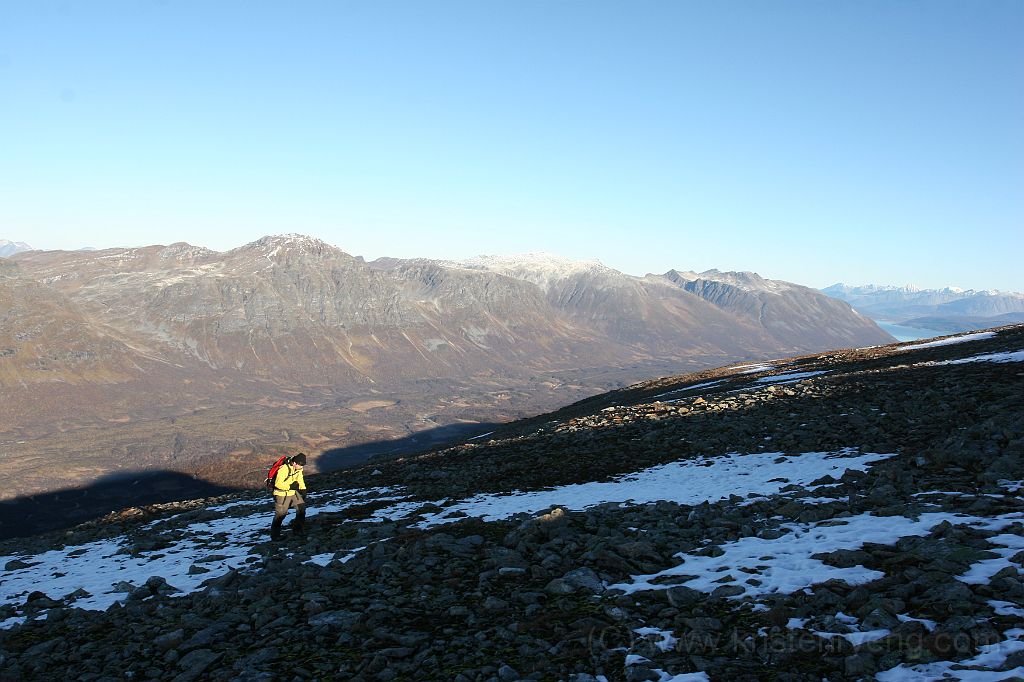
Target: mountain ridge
(899,303)
(163,354)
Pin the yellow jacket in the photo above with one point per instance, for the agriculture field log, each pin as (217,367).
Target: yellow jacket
(286,475)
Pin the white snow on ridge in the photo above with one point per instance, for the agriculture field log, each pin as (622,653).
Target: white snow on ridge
(1014,356)
(950,341)
(752,369)
(981,572)
(542,269)
(1005,608)
(789,377)
(784,565)
(990,656)
(706,384)
(684,482)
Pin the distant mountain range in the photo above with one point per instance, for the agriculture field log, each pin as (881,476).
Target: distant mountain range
(175,355)
(9,248)
(949,310)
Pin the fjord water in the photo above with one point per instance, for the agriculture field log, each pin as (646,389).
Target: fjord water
(903,333)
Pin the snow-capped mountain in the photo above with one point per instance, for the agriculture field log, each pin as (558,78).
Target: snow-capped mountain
(846,516)
(895,304)
(9,248)
(541,268)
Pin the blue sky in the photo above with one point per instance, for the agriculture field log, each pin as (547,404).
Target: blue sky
(810,141)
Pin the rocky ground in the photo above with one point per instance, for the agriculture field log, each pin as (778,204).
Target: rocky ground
(853,515)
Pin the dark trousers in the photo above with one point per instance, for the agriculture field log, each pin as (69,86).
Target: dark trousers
(282,503)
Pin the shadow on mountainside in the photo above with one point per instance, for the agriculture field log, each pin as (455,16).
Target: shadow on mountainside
(35,514)
(61,509)
(440,437)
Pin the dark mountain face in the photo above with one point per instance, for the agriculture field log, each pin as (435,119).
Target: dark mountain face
(177,355)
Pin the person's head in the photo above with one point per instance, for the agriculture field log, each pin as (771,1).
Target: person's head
(299,460)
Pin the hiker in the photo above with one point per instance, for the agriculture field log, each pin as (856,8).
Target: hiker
(287,484)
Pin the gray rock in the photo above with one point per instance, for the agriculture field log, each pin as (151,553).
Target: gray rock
(206,637)
(859,665)
(44,648)
(511,571)
(265,655)
(507,673)
(195,663)
(584,579)
(339,619)
(703,624)
(156,583)
(878,619)
(169,640)
(681,596)
(140,593)
(495,605)
(641,673)
(16,565)
(559,586)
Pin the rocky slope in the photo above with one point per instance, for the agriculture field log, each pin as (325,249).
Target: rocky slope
(852,515)
(181,358)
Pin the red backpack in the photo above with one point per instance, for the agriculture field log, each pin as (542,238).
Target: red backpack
(272,472)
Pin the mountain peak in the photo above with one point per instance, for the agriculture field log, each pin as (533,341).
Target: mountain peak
(273,246)
(534,259)
(540,267)
(9,248)
(292,239)
(748,281)
(182,251)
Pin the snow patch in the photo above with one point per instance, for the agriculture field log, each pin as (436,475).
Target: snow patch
(948,342)
(752,369)
(1012,356)
(990,658)
(706,384)
(785,565)
(789,378)
(981,572)
(683,482)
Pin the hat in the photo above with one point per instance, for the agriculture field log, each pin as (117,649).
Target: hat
(299,459)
